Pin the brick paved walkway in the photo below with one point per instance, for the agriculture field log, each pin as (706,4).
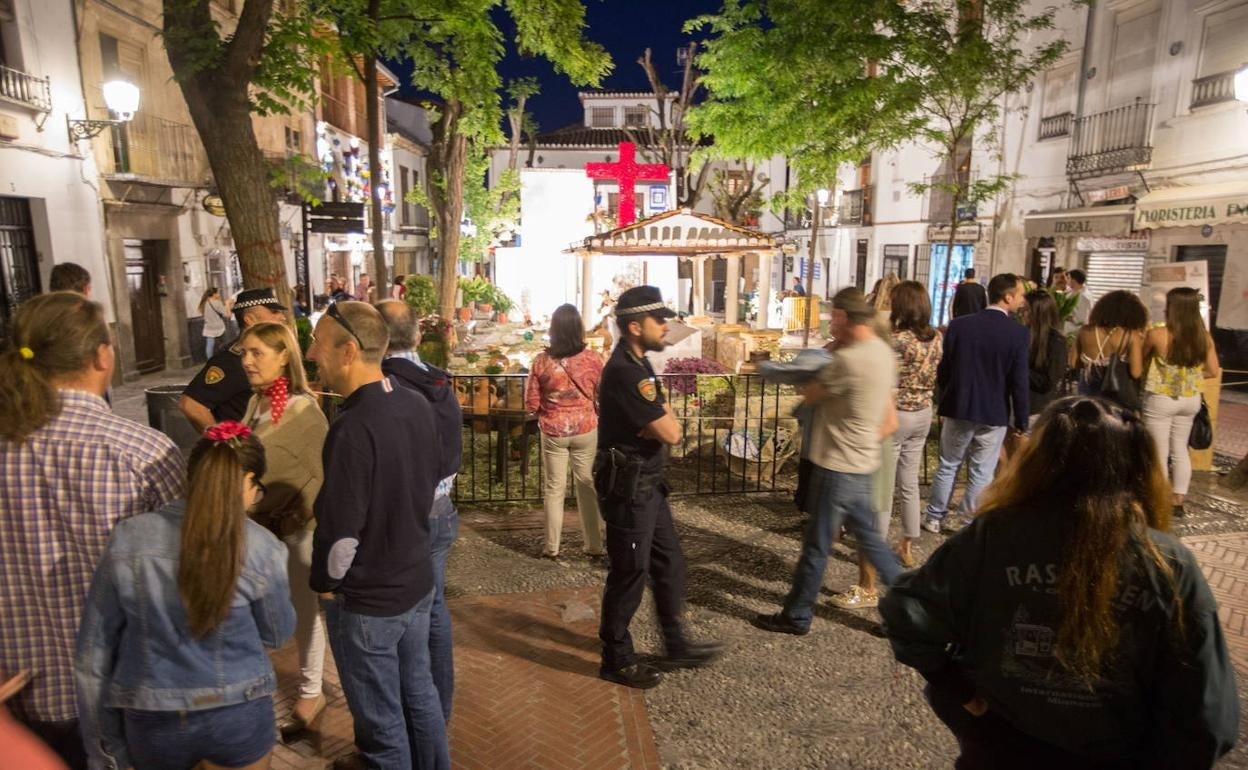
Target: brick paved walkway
(1224,560)
(527,693)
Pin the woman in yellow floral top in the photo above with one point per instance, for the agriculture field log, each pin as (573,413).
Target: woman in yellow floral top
(918,348)
(1179,355)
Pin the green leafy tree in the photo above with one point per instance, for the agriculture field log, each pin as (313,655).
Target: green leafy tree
(255,64)
(968,55)
(455,49)
(790,78)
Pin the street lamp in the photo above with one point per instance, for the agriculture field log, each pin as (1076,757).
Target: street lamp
(122,99)
(822,196)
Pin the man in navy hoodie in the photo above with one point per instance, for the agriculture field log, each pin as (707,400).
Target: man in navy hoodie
(403,363)
(371,554)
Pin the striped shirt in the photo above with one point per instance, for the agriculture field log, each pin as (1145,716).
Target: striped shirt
(61,492)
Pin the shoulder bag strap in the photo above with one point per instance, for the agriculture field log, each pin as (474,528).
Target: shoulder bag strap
(576,384)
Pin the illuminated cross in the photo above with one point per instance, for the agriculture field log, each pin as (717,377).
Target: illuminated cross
(626,171)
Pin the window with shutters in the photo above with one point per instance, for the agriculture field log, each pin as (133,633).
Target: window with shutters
(602,117)
(1134,54)
(1055,109)
(1223,51)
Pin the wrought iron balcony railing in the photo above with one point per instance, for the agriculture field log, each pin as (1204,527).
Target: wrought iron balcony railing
(25,89)
(855,207)
(1213,89)
(1120,139)
(156,149)
(1054,126)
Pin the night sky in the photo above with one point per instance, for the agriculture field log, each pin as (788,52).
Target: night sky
(625,28)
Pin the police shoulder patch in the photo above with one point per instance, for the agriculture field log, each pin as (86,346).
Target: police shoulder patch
(214,375)
(647,390)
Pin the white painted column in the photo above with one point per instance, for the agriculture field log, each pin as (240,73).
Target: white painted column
(699,285)
(587,291)
(764,289)
(732,288)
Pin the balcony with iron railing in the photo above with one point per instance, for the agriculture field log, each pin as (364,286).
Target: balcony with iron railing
(154,149)
(938,203)
(1055,125)
(1120,139)
(1213,89)
(25,89)
(855,208)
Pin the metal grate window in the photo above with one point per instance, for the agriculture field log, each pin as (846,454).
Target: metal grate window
(19,262)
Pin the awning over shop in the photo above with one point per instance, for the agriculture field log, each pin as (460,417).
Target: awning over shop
(1068,223)
(1214,204)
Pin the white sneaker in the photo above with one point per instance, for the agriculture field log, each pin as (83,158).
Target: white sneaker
(931,525)
(856,599)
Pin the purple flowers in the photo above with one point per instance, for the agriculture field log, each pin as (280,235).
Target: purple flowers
(689,366)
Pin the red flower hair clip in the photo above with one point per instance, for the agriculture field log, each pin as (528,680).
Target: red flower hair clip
(227,430)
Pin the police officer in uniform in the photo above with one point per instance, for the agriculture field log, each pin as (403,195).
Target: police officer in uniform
(221,391)
(635,427)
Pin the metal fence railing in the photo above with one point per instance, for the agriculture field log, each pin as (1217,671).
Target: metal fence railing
(737,435)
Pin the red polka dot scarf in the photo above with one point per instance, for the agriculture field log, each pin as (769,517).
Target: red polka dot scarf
(277,394)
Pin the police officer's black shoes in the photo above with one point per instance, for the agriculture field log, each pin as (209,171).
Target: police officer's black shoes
(693,655)
(779,623)
(641,676)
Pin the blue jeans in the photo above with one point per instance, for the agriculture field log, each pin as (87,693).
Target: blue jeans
(383,664)
(443,529)
(960,440)
(837,498)
(230,736)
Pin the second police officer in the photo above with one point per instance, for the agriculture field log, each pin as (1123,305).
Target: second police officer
(635,428)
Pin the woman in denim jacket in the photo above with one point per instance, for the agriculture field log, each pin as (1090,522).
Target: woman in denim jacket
(171,665)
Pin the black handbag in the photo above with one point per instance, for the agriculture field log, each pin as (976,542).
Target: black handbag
(1201,436)
(1117,383)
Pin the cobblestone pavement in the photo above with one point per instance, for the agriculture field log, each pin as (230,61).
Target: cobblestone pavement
(526,652)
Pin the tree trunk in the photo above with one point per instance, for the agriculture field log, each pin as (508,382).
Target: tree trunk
(217,98)
(222,116)
(446,162)
(381,281)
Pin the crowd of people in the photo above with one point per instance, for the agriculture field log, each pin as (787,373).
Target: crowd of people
(1059,624)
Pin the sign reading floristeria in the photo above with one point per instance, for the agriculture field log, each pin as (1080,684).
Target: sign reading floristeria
(1193,206)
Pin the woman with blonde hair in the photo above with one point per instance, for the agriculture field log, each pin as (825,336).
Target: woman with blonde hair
(1179,356)
(1064,627)
(171,667)
(287,419)
(563,391)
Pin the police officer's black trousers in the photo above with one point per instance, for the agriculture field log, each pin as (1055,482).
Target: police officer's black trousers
(641,543)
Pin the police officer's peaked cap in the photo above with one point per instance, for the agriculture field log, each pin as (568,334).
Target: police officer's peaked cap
(643,300)
(257,298)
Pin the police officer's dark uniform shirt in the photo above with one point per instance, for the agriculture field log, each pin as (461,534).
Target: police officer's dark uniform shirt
(981,618)
(222,385)
(630,398)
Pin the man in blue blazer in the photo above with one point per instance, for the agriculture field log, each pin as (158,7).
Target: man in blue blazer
(983,380)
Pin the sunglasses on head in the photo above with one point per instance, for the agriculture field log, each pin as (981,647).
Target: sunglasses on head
(333,312)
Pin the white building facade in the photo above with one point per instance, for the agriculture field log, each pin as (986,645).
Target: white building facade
(49,204)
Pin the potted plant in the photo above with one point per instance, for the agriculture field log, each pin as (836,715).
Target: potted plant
(421,295)
(470,289)
(502,304)
(485,299)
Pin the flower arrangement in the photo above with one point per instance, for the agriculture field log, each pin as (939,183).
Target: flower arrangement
(690,366)
(227,431)
(421,295)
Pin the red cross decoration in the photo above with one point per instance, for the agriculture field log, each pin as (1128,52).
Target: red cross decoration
(626,171)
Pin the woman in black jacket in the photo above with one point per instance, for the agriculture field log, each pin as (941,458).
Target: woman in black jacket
(1046,357)
(1063,627)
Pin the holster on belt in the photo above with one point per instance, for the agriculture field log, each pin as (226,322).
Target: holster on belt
(619,474)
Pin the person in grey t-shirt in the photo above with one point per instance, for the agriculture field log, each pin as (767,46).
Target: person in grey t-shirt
(852,398)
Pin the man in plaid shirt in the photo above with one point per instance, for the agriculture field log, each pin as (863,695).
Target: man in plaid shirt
(69,471)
